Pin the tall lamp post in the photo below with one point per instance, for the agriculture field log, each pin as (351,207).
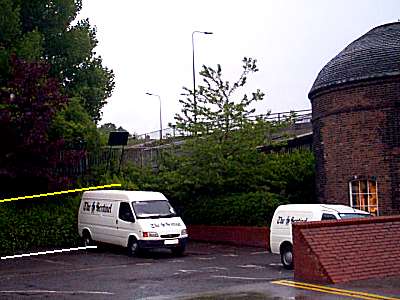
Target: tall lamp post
(194,74)
(159,98)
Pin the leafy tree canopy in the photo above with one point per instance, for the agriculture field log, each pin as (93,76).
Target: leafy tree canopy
(74,126)
(43,30)
(42,39)
(214,107)
(27,108)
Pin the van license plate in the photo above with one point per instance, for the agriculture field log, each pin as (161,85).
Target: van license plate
(171,242)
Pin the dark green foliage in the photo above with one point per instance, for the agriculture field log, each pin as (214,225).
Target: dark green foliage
(29,225)
(246,209)
(44,58)
(28,106)
(198,182)
(75,127)
(42,30)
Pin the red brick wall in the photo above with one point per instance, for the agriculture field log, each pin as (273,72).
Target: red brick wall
(346,250)
(357,133)
(235,235)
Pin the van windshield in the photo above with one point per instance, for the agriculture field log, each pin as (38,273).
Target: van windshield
(153,209)
(353,215)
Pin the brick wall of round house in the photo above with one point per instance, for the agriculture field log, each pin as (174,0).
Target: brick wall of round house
(357,133)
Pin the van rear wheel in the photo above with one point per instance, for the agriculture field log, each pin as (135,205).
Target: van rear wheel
(133,247)
(287,257)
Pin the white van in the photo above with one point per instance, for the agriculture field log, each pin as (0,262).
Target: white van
(137,220)
(281,241)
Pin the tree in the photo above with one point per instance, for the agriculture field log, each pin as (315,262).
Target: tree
(74,126)
(40,35)
(215,108)
(222,152)
(28,156)
(221,160)
(42,30)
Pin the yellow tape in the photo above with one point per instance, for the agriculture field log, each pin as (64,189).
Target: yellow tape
(63,192)
(335,291)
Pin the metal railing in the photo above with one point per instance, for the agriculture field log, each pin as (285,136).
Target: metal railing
(297,116)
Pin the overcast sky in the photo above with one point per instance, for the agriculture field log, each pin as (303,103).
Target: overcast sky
(148,45)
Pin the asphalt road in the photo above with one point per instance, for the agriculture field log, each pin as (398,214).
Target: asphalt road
(206,272)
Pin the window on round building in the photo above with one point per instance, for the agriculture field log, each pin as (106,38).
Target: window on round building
(364,195)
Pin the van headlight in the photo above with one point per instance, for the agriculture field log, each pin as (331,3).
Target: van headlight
(184,232)
(150,234)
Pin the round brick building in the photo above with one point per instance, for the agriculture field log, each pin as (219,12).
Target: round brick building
(356,124)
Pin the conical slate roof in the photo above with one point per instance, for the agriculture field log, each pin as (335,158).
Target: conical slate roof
(375,54)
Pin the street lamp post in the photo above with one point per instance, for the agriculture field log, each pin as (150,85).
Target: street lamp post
(194,74)
(159,98)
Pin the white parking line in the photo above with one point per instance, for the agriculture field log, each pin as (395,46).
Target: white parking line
(230,255)
(261,252)
(214,268)
(48,252)
(189,271)
(55,292)
(205,258)
(242,278)
(144,264)
(251,267)
(177,261)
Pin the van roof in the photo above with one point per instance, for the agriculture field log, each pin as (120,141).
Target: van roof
(320,207)
(124,195)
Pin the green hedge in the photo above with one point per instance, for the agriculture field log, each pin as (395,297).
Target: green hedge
(28,225)
(247,209)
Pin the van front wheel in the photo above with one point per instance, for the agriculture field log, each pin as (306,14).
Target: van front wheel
(87,239)
(133,247)
(287,257)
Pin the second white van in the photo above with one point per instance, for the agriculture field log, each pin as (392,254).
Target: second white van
(137,220)
(281,240)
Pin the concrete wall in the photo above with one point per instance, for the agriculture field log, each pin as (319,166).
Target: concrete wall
(346,250)
(235,235)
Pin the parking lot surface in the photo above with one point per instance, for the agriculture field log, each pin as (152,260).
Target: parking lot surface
(207,271)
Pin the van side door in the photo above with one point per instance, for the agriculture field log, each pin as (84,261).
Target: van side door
(126,223)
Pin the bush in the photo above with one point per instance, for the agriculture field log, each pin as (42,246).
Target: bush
(247,209)
(38,224)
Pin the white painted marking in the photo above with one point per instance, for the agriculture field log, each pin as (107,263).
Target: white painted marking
(189,271)
(242,278)
(257,253)
(205,258)
(144,264)
(48,252)
(54,292)
(230,255)
(273,264)
(215,268)
(177,261)
(251,267)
